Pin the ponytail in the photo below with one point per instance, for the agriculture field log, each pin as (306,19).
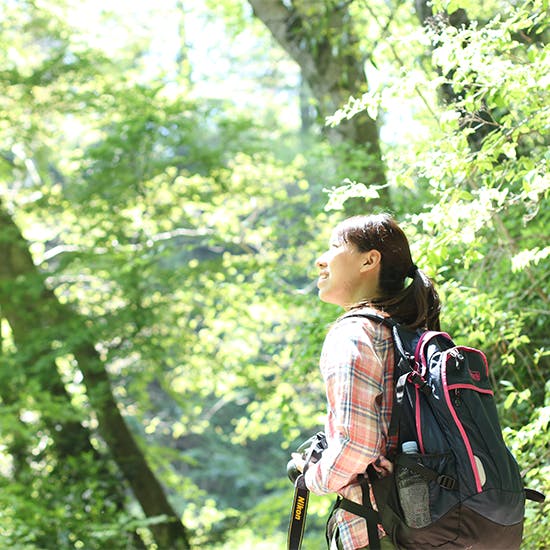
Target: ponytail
(416,305)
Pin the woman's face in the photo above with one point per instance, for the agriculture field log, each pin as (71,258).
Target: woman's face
(342,278)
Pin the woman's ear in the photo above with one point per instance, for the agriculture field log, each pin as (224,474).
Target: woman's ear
(371,260)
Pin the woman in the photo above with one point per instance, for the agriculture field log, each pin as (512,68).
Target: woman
(365,268)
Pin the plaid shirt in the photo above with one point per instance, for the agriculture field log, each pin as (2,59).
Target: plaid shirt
(357,367)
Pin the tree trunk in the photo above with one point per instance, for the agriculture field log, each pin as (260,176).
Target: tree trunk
(30,307)
(70,437)
(18,446)
(322,41)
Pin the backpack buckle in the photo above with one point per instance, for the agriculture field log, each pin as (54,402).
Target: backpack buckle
(416,379)
(447,482)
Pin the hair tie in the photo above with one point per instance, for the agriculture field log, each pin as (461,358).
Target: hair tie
(412,271)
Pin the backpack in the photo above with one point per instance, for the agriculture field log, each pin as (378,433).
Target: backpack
(469,481)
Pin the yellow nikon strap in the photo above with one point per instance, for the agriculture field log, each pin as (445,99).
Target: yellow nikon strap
(298,515)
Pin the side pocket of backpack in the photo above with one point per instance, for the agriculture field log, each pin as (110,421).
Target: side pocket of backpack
(387,502)
(442,499)
(443,504)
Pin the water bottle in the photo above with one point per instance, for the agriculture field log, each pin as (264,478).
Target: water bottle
(413,492)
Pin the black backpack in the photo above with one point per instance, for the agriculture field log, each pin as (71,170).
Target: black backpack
(470,482)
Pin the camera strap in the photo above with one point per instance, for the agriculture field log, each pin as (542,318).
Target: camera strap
(298,514)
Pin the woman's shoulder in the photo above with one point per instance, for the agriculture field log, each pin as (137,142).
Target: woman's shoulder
(361,322)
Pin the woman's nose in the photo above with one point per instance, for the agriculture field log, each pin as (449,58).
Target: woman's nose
(320,261)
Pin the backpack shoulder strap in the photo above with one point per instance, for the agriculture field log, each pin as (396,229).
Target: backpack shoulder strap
(388,321)
(380,319)
(405,360)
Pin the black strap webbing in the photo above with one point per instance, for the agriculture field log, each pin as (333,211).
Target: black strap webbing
(372,517)
(298,517)
(366,511)
(446,482)
(533,494)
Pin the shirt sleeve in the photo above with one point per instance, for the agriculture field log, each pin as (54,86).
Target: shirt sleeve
(353,375)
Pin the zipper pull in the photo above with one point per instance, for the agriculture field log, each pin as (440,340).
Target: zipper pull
(455,358)
(457,400)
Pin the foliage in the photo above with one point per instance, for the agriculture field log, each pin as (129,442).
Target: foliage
(529,444)
(36,514)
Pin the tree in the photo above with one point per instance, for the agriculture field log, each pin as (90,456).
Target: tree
(322,38)
(29,305)
(44,330)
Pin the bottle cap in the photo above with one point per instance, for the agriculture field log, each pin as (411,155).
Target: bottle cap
(410,447)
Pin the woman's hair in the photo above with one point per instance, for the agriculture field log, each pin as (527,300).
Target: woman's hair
(416,305)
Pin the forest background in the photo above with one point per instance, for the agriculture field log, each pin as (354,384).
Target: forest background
(170,170)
